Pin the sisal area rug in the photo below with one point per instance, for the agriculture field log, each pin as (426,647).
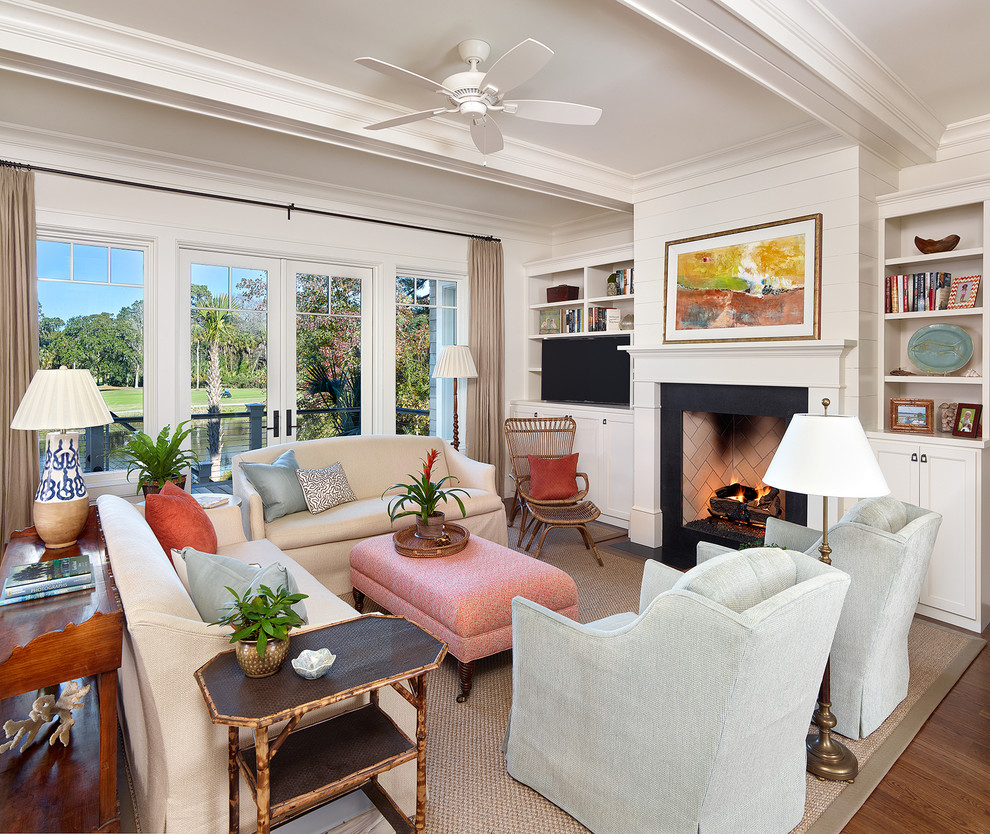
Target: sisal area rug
(471,793)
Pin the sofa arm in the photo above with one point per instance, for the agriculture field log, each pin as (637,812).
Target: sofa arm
(657,578)
(228,525)
(470,474)
(791,536)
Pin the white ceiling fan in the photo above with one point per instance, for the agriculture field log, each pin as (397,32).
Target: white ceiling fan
(478,94)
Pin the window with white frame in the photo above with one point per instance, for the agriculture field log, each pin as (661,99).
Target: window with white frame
(91,315)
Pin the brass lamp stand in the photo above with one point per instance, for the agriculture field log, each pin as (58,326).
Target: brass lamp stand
(828,758)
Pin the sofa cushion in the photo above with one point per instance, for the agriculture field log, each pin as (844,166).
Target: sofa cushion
(552,479)
(178,520)
(209,575)
(325,488)
(277,485)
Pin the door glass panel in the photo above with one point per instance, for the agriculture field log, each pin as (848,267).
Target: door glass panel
(229,364)
(328,355)
(425,321)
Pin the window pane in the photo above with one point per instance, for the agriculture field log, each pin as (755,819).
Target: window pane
(312,294)
(346,297)
(206,278)
(250,288)
(404,288)
(99,326)
(54,260)
(90,263)
(126,266)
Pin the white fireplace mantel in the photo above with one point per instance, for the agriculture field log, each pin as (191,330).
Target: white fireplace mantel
(814,364)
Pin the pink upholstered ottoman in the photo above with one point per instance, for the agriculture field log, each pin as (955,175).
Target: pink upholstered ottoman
(465,599)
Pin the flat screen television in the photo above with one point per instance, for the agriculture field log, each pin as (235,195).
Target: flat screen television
(586,369)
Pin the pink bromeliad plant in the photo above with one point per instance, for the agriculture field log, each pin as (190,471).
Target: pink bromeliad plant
(423,494)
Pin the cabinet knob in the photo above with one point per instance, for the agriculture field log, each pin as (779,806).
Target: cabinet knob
(914,457)
(924,458)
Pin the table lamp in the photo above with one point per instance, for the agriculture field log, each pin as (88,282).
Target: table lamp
(823,455)
(59,400)
(455,361)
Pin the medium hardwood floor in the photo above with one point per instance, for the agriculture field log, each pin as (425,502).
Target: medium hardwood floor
(941,783)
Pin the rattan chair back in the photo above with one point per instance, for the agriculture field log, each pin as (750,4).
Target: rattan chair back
(545,437)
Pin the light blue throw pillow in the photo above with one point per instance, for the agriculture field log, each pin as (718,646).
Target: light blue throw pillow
(209,574)
(277,485)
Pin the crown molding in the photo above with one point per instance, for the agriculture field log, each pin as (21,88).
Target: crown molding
(964,138)
(801,53)
(74,49)
(56,150)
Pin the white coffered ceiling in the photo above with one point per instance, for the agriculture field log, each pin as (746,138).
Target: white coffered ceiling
(274,87)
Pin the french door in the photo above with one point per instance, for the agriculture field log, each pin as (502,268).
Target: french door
(275,352)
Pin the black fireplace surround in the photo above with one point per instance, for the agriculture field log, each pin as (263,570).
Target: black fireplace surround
(680,542)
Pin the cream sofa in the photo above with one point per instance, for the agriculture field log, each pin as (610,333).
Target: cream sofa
(322,543)
(178,759)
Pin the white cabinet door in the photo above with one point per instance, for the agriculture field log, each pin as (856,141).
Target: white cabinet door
(948,480)
(617,465)
(943,479)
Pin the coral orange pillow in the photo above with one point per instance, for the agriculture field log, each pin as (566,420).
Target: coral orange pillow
(179,521)
(553,478)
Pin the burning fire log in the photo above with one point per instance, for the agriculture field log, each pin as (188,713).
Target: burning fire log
(745,504)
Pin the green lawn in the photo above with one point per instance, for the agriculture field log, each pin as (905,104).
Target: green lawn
(129,400)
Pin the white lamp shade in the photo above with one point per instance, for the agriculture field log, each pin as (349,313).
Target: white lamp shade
(61,399)
(826,455)
(455,362)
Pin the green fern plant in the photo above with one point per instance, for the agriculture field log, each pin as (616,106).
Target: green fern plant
(158,460)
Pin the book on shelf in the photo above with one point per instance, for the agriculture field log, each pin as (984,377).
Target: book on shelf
(46,578)
(916,292)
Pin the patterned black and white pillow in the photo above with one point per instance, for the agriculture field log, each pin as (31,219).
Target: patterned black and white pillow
(325,488)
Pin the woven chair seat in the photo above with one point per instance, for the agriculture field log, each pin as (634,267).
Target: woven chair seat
(566,516)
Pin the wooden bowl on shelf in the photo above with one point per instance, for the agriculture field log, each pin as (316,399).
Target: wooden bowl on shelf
(931,247)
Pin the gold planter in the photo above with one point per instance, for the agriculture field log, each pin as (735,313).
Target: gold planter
(432,529)
(256,666)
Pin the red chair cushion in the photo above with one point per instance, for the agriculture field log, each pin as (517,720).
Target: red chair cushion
(553,479)
(178,521)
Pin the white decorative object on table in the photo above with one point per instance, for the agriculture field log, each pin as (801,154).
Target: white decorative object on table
(45,709)
(313,664)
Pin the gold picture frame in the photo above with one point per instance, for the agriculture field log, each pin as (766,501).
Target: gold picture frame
(757,283)
(911,415)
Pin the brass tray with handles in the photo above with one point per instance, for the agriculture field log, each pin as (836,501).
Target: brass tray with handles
(409,544)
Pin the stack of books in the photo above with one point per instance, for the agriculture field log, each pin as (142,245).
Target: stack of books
(47,579)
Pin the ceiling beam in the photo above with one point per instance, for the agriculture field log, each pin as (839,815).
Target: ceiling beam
(801,53)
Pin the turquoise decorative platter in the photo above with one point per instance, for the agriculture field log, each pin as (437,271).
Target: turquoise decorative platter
(940,348)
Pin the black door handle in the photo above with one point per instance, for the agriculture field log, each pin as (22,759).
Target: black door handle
(924,458)
(288,423)
(273,428)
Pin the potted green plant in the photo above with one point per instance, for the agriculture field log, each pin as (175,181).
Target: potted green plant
(424,495)
(261,619)
(159,460)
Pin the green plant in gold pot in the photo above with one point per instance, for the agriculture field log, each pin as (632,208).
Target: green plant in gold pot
(423,496)
(158,460)
(261,619)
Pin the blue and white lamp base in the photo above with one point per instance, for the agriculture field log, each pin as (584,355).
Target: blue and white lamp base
(61,505)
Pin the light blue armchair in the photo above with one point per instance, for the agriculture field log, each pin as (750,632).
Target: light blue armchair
(688,716)
(885,546)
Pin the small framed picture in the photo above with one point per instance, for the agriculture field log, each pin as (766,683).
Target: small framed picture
(549,322)
(912,415)
(962,291)
(967,423)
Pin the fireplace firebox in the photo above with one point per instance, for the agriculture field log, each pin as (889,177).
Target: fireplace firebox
(717,441)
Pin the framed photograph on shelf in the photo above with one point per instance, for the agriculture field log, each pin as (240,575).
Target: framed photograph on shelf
(549,322)
(912,415)
(962,291)
(967,422)
(752,284)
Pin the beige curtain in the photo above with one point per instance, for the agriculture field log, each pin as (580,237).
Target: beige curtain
(18,346)
(486,394)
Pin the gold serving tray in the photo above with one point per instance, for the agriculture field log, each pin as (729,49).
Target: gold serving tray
(409,544)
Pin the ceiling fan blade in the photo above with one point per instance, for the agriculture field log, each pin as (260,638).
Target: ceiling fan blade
(561,112)
(406,75)
(409,117)
(486,135)
(517,65)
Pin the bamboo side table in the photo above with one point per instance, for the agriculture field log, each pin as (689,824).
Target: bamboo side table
(321,762)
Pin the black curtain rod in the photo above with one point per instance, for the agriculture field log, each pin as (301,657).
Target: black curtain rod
(287,207)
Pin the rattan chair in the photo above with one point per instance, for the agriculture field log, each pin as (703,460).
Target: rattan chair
(545,437)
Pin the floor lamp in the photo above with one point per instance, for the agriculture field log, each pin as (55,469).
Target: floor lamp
(827,456)
(59,400)
(455,361)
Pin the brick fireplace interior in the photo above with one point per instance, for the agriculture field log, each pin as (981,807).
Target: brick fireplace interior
(713,436)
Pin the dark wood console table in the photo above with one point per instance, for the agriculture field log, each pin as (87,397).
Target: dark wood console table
(46,642)
(321,762)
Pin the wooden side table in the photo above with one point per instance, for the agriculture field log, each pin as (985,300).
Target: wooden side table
(45,642)
(323,761)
